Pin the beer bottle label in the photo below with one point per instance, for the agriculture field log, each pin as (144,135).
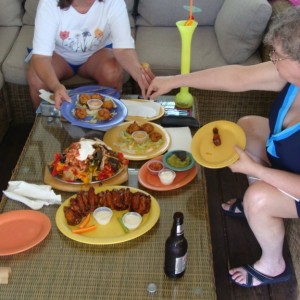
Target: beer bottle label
(180,264)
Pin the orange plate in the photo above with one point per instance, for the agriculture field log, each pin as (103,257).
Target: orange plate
(21,230)
(152,182)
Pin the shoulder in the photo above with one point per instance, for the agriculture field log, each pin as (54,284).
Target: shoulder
(47,6)
(115,4)
(266,77)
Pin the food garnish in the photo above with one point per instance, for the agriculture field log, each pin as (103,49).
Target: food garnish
(216,137)
(85,229)
(127,143)
(86,161)
(126,230)
(85,221)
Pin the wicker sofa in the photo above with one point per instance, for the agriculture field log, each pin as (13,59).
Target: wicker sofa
(218,40)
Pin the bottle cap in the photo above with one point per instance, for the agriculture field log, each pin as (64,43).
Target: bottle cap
(152,288)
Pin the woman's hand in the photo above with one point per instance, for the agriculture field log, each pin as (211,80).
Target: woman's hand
(159,86)
(145,79)
(245,164)
(60,95)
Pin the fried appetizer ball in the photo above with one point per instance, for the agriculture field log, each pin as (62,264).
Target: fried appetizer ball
(80,113)
(103,114)
(147,127)
(133,127)
(216,137)
(108,104)
(98,96)
(145,65)
(83,98)
(155,136)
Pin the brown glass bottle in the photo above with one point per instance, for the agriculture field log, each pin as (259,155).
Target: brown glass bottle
(176,249)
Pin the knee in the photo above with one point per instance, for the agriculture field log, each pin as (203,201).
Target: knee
(33,80)
(113,72)
(257,198)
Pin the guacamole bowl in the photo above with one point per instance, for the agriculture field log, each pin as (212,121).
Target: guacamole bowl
(178,160)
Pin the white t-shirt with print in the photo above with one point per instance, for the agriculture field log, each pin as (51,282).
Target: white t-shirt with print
(76,36)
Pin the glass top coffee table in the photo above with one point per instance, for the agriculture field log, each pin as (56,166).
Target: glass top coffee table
(61,268)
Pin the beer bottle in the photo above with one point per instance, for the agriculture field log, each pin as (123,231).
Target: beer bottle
(176,249)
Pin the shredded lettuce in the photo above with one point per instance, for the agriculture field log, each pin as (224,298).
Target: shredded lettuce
(127,144)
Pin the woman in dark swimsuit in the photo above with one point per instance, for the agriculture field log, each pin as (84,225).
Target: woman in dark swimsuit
(271,159)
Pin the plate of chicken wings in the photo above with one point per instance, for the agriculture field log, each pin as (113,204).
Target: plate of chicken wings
(78,209)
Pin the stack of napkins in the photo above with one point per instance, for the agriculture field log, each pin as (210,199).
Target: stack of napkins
(145,109)
(33,195)
(181,138)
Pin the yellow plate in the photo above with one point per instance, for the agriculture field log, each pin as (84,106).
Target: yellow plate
(207,154)
(112,233)
(144,119)
(112,136)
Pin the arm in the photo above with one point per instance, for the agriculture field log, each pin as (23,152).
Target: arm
(283,180)
(232,78)
(44,70)
(128,59)
(124,48)
(47,20)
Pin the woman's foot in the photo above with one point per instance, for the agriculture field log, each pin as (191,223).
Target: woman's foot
(250,275)
(234,208)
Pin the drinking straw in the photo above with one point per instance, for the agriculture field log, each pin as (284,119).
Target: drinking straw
(189,22)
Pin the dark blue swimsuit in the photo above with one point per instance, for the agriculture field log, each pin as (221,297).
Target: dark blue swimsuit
(283,145)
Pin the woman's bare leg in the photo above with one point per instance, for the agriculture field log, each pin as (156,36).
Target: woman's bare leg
(257,130)
(62,70)
(265,208)
(104,68)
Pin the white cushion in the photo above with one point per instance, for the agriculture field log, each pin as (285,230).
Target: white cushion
(168,12)
(161,48)
(240,26)
(11,12)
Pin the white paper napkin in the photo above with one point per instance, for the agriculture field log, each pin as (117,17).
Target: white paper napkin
(4,274)
(181,138)
(33,195)
(45,95)
(146,109)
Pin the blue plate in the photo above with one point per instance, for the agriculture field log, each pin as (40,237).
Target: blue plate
(96,89)
(120,111)
(170,153)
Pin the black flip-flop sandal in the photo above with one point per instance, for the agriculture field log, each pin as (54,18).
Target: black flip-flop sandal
(232,209)
(264,279)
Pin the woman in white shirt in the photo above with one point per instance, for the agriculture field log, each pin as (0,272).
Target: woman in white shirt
(91,38)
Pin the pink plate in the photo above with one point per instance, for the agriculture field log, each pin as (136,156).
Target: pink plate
(153,183)
(21,230)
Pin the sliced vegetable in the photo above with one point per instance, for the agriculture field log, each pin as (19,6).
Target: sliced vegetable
(85,221)
(85,229)
(126,230)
